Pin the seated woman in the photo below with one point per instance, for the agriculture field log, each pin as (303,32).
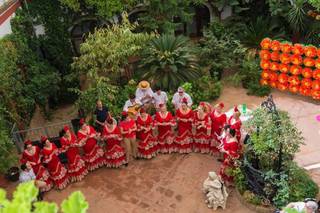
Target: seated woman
(31,157)
(231,154)
(184,138)
(93,154)
(202,126)
(115,154)
(76,166)
(164,121)
(57,171)
(147,146)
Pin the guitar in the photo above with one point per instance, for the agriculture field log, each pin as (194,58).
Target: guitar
(133,110)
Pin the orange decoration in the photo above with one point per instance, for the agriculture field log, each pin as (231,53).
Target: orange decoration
(265,74)
(273,84)
(294,80)
(264,64)
(285,47)
(306,83)
(307,72)
(273,76)
(316,85)
(318,52)
(308,62)
(274,66)
(294,89)
(264,54)
(315,94)
(296,59)
(284,68)
(264,82)
(282,87)
(275,56)
(310,51)
(295,70)
(283,78)
(297,49)
(316,74)
(305,91)
(285,58)
(266,43)
(317,63)
(275,45)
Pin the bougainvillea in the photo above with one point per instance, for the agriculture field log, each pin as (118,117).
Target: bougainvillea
(308,62)
(266,43)
(295,70)
(283,78)
(310,51)
(275,56)
(306,83)
(285,58)
(284,68)
(307,72)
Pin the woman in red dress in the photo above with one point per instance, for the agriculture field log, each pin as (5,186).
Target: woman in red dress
(202,124)
(164,121)
(76,166)
(218,120)
(93,154)
(147,147)
(57,171)
(31,156)
(235,122)
(230,150)
(115,154)
(184,116)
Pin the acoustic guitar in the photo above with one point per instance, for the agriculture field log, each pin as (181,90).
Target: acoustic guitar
(133,110)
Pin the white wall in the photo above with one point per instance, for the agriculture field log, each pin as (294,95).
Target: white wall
(5,27)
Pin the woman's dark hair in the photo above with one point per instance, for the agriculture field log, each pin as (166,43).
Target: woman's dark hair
(232,132)
(62,133)
(25,146)
(123,117)
(23,167)
(227,126)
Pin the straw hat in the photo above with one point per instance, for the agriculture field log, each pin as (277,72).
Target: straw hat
(144,85)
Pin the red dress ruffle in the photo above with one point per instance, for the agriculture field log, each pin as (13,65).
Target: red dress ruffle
(217,124)
(93,154)
(165,134)
(76,166)
(184,140)
(115,155)
(57,171)
(229,159)
(147,147)
(201,138)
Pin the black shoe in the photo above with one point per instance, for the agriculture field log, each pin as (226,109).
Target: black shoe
(126,164)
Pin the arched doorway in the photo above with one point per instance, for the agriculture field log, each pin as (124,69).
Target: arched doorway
(200,20)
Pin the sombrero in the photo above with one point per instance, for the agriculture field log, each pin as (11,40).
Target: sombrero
(144,85)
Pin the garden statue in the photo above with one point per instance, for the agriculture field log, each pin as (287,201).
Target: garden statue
(215,191)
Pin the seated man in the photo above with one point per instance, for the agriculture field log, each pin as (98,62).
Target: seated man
(307,207)
(144,93)
(133,101)
(179,96)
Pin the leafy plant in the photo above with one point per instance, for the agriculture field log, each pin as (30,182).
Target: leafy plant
(315,3)
(24,200)
(168,61)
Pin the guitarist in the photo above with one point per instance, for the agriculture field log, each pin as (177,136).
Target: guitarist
(133,101)
(144,94)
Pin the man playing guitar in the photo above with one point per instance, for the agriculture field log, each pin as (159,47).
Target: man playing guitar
(145,94)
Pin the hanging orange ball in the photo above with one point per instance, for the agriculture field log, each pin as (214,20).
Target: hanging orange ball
(284,68)
(316,74)
(296,59)
(310,51)
(283,78)
(266,43)
(307,72)
(316,85)
(294,80)
(285,47)
(295,70)
(297,49)
(306,83)
(275,45)
(275,56)
(264,55)
(264,64)
(308,62)
(274,66)
(285,58)
(294,89)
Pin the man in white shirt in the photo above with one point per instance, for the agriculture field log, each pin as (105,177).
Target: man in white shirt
(131,102)
(144,93)
(26,173)
(159,97)
(178,97)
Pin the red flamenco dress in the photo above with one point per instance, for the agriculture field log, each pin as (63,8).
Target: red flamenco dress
(76,166)
(164,122)
(57,171)
(202,137)
(93,154)
(147,147)
(230,156)
(217,123)
(41,173)
(184,140)
(236,125)
(115,155)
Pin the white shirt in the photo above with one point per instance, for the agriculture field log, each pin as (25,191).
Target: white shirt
(26,176)
(160,99)
(130,104)
(141,93)
(177,99)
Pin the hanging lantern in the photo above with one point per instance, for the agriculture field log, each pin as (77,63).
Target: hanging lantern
(284,68)
(315,94)
(264,55)
(307,72)
(263,82)
(264,64)
(266,43)
(274,66)
(294,89)
(297,49)
(294,80)
(316,85)
(285,47)
(273,76)
(283,78)
(317,63)
(316,74)
(306,83)
(275,56)
(295,70)
(308,62)
(296,59)
(310,51)
(282,87)
(285,58)
(273,84)
(275,45)
(305,91)
(265,74)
